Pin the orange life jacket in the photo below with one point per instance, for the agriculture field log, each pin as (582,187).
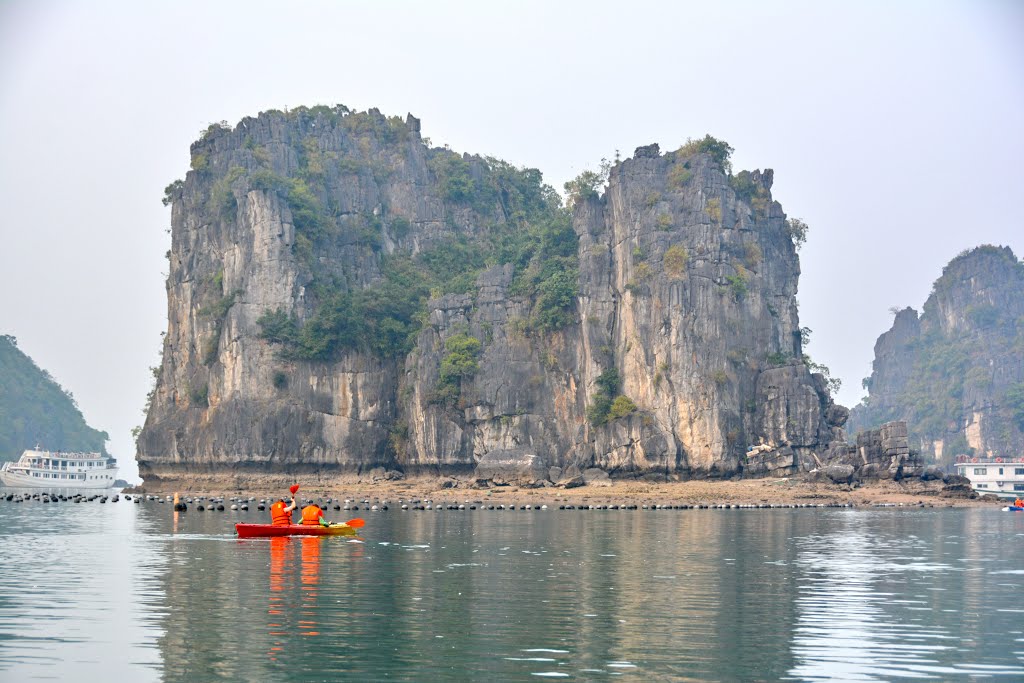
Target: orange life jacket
(278,514)
(311,514)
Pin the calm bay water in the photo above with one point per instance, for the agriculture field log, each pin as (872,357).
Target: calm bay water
(91,591)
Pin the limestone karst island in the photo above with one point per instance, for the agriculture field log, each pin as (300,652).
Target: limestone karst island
(418,416)
(345,298)
(635,341)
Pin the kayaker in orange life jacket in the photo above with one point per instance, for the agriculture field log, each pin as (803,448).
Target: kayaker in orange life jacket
(280,515)
(312,514)
(1018,503)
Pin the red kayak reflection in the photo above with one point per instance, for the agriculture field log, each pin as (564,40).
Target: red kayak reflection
(278,579)
(310,580)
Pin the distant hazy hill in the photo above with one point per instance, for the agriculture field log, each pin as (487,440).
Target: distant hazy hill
(34,409)
(956,372)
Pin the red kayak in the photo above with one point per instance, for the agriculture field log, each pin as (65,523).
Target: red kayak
(261,530)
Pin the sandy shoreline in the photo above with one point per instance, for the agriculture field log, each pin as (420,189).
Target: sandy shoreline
(793,491)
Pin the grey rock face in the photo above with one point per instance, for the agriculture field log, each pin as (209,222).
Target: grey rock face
(882,453)
(573,482)
(956,480)
(839,474)
(773,463)
(873,471)
(377,474)
(955,373)
(887,446)
(687,284)
(511,467)
(958,491)
(594,476)
(791,408)
(651,151)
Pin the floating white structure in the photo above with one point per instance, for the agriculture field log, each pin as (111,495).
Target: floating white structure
(38,468)
(1003,477)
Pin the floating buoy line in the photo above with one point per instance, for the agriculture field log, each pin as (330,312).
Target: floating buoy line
(244,504)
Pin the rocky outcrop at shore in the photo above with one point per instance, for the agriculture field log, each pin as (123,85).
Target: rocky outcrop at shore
(884,454)
(343,296)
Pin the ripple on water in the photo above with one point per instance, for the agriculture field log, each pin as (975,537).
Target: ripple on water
(848,630)
(843,597)
(530,659)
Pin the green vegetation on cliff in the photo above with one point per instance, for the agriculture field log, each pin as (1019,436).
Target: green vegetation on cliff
(34,409)
(459,363)
(608,403)
(720,151)
(513,218)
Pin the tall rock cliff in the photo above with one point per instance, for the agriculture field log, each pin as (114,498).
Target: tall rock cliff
(344,296)
(956,372)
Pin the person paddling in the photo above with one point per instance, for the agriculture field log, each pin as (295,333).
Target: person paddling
(1018,503)
(313,515)
(281,515)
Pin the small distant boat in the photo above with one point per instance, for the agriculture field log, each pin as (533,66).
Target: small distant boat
(37,469)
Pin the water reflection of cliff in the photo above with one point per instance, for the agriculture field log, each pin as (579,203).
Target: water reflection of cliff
(240,609)
(489,594)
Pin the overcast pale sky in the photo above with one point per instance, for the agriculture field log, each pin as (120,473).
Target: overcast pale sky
(894,128)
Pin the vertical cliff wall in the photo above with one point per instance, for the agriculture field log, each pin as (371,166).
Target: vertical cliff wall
(343,296)
(956,372)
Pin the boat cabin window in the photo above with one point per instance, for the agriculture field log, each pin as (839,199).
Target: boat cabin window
(1018,471)
(981,486)
(1000,470)
(981,470)
(1018,487)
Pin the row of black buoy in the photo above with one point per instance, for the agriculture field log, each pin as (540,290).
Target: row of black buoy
(204,503)
(47,497)
(220,504)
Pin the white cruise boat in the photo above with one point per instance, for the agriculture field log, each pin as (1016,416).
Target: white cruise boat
(38,468)
(1003,477)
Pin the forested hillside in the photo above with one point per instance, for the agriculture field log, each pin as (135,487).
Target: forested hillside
(34,409)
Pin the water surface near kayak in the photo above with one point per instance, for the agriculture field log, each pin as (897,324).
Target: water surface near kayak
(90,591)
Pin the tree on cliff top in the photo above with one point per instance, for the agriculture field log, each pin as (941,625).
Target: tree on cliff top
(588,183)
(719,150)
